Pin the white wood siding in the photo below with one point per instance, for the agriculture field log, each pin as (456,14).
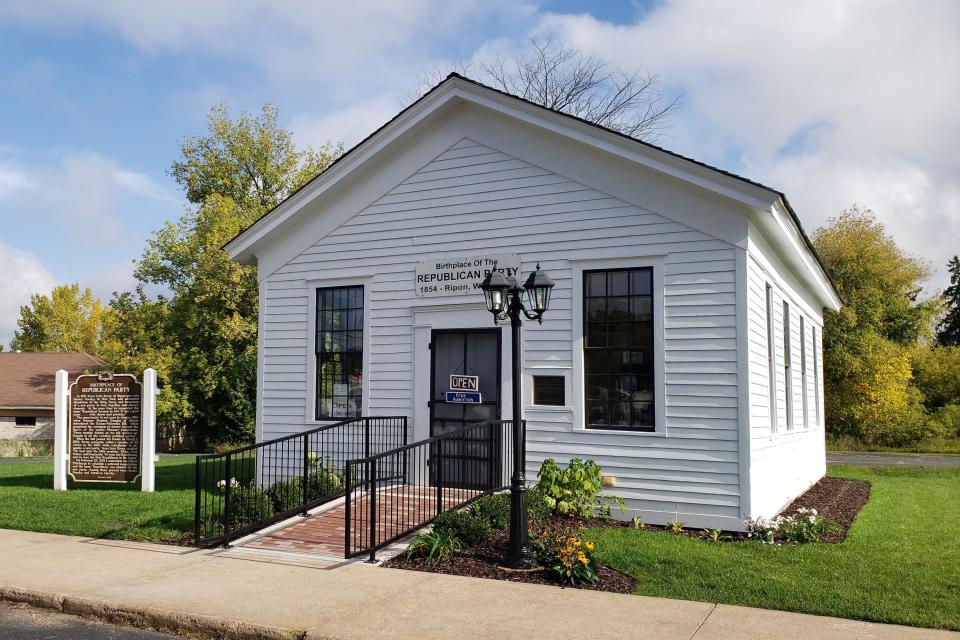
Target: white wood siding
(498,202)
(783,461)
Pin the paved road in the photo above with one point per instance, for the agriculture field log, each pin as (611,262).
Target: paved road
(26,623)
(894,460)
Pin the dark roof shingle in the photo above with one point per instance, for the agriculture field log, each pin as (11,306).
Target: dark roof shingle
(27,379)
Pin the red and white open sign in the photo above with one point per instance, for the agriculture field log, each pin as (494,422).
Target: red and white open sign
(464,383)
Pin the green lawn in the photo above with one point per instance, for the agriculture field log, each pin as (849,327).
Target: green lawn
(945,446)
(900,562)
(116,511)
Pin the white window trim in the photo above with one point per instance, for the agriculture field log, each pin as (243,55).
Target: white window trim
(788,369)
(311,382)
(578,392)
(548,370)
(770,311)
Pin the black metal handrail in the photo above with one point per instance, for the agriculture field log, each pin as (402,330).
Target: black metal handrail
(251,487)
(390,494)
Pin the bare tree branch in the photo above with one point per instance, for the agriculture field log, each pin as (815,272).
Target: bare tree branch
(564,79)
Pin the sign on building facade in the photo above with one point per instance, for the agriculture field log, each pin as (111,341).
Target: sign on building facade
(460,276)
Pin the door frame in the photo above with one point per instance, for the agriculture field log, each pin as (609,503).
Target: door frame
(433,367)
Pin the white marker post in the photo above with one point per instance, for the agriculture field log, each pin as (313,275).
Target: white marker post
(148,434)
(61,405)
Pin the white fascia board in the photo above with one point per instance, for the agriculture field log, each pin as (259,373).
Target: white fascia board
(783,233)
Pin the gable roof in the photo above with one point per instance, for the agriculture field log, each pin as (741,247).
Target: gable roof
(456,86)
(27,379)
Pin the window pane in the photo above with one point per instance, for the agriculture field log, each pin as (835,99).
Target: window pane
(641,308)
(618,283)
(339,349)
(618,308)
(597,335)
(596,309)
(641,282)
(618,348)
(597,284)
(597,412)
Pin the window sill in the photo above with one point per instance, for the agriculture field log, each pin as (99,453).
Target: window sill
(550,408)
(659,433)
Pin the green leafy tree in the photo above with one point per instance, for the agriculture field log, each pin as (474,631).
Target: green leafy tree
(67,320)
(134,339)
(936,374)
(868,344)
(949,333)
(232,176)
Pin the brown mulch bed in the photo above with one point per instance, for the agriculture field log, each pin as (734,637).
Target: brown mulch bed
(483,560)
(836,499)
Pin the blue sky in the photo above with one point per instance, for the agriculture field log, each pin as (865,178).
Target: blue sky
(832,102)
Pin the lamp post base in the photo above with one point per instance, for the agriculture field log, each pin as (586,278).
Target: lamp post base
(522,560)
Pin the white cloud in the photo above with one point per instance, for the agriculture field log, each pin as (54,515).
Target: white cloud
(83,194)
(349,125)
(12,180)
(23,276)
(832,102)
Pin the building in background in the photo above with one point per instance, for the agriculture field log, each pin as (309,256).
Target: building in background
(26,396)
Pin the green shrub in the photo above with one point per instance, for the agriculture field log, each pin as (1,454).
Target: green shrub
(575,490)
(249,505)
(494,509)
(286,494)
(537,507)
(948,417)
(466,527)
(805,527)
(323,479)
(434,545)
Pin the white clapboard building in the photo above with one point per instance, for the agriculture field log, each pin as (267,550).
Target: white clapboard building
(682,347)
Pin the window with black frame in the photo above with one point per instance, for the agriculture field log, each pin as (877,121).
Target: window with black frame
(618,349)
(339,349)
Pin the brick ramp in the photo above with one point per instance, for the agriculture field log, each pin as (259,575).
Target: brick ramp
(322,533)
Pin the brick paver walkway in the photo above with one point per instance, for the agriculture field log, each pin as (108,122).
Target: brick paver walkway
(398,509)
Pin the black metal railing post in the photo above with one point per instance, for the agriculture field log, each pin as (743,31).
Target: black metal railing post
(439,474)
(227,514)
(372,497)
(196,506)
(366,437)
(306,474)
(347,501)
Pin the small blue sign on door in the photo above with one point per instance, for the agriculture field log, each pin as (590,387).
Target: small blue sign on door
(464,397)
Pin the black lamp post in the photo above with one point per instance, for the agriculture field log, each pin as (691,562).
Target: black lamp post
(503,297)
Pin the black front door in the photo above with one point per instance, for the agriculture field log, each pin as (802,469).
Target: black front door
(467,461)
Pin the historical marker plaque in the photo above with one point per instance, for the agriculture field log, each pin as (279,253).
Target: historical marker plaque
(105,428)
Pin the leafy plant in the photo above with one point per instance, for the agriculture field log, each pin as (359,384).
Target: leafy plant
(249,505)
(494,509)
(434,545)
(575,490)
(285,494)
(537,507)
(465,526)
(323,480)
(804,527)
(676,524)
(568,556)
(713,534)
(637,522)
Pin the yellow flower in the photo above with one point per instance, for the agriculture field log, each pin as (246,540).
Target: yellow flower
(590,546)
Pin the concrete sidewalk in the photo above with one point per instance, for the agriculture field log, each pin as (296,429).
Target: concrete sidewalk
(244,594)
